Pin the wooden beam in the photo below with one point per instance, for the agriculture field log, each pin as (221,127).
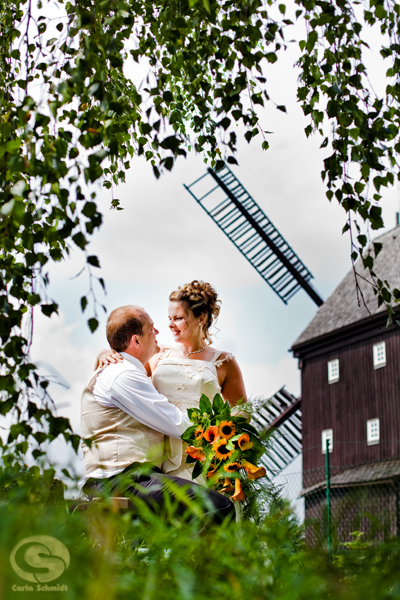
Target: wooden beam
(291,268)
(286,414)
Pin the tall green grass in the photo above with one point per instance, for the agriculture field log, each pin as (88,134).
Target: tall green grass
(139,555)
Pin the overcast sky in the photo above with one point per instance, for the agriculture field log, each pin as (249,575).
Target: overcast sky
(162,239)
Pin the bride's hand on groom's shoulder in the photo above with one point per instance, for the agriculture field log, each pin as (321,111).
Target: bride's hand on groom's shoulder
(107,357)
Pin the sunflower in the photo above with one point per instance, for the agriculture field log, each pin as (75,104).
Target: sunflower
(211,434)
(220,449)
(253,472)
(227,429)
(232,467)
(195,453)
(198,434)
(244,442)
(239,495)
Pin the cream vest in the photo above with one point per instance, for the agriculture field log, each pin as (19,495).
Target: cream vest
(118,439)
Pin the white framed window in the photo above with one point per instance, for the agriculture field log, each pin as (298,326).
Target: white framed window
(379,355)
(333,371)
(327,435)
(373,432)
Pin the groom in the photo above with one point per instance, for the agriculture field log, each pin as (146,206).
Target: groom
(126,420)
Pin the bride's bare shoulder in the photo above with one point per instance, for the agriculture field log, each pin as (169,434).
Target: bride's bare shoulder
(154,359)
(223,358)
(163,350)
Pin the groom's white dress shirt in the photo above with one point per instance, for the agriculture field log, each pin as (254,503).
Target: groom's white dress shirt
(126,386)
(132,391)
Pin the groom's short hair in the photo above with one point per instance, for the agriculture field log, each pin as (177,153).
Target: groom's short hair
(122,324)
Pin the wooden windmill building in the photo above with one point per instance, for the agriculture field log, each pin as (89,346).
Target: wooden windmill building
(350,379)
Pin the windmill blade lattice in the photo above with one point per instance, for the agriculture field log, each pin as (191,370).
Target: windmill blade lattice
(232,208)
(282,414)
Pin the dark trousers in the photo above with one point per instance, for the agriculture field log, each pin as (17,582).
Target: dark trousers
(156,489)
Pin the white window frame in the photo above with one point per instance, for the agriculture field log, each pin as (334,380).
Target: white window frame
(373,432)
(333,371)
(327,434)
(379,355)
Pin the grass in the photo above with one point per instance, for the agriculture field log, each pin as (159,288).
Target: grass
(143,556)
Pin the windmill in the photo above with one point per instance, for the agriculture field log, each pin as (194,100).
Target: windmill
(242,220)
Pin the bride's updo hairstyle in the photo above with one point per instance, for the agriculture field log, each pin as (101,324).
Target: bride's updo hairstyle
(201,298)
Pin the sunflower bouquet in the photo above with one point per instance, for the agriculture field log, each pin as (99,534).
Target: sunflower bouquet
(224,447)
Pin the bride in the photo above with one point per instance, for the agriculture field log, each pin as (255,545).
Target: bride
(191,367)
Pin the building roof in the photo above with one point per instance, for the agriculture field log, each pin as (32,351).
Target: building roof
(367,474)
(341,309)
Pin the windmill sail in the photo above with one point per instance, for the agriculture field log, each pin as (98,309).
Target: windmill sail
(238,215)
(282,414)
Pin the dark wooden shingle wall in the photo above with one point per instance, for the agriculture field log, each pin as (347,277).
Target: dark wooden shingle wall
(362,393)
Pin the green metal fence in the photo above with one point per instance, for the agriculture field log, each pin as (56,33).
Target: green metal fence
(335,501)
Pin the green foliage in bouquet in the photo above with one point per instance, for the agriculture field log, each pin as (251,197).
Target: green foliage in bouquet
(224,447)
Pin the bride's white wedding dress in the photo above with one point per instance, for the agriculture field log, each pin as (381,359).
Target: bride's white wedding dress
(183,381)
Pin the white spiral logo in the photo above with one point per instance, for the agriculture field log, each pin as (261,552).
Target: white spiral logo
(42,552)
